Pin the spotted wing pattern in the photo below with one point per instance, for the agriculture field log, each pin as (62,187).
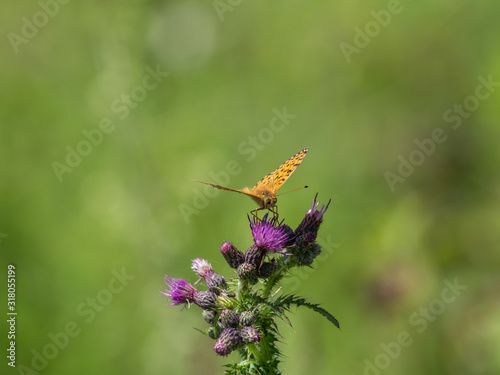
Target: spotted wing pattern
(275,180)
(264,193)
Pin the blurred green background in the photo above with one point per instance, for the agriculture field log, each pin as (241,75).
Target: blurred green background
(362,84)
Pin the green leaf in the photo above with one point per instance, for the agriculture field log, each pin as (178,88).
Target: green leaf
(287,300)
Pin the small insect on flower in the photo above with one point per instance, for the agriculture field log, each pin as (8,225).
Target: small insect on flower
(264,192)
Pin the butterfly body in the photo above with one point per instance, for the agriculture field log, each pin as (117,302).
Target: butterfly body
(264,192)
(264,197)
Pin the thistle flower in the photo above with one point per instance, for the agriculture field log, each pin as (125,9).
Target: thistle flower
(232,255)
(242,313)
(228,341)
(179,291)
(268,235)
(201,267)
(305,249)
(214,281)
(313,219)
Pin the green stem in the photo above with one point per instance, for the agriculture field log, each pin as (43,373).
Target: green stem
(238,291)
(256,353)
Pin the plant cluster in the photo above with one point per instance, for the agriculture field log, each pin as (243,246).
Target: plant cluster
(242,312)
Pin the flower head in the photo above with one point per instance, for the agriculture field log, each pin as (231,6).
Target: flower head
(179,291)
(201,267)
(206,300)
(313,219)
(268,235)
(228,340)
(249,334)
(214,281)
(267,269)
(255,255)
(208,316)
(247,272)
(228,318)
(247,318)
(232,255)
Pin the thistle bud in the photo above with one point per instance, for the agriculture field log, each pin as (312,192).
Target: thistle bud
(254,255)
(267,270)
(228,341)
(232,255)
(312,219)
(208,316)
(228,318)
(247,318)
(247,272)
(304,242)
(249,334)
(213,280)
(206,300)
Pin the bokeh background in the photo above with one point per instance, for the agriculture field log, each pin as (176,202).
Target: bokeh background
(361,84)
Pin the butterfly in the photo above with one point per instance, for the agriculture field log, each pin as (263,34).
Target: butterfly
(264,192)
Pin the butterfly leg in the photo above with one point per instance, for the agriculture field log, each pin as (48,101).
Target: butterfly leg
(274,211)
(254,214)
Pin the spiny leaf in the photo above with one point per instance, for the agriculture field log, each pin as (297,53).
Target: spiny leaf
(287,300)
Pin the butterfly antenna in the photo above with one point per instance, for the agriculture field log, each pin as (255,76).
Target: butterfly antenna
(303,187)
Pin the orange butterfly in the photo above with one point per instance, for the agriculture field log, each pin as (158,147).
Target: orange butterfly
(264,193)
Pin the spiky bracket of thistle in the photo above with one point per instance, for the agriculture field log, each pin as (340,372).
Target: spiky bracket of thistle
(243,311)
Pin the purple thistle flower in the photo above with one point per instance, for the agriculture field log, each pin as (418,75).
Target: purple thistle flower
(313,219)
(179,291)
(232,255)
(228,340)
(268,235)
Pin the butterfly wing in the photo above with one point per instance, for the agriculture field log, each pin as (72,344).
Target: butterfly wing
(242,191)
(275,180)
